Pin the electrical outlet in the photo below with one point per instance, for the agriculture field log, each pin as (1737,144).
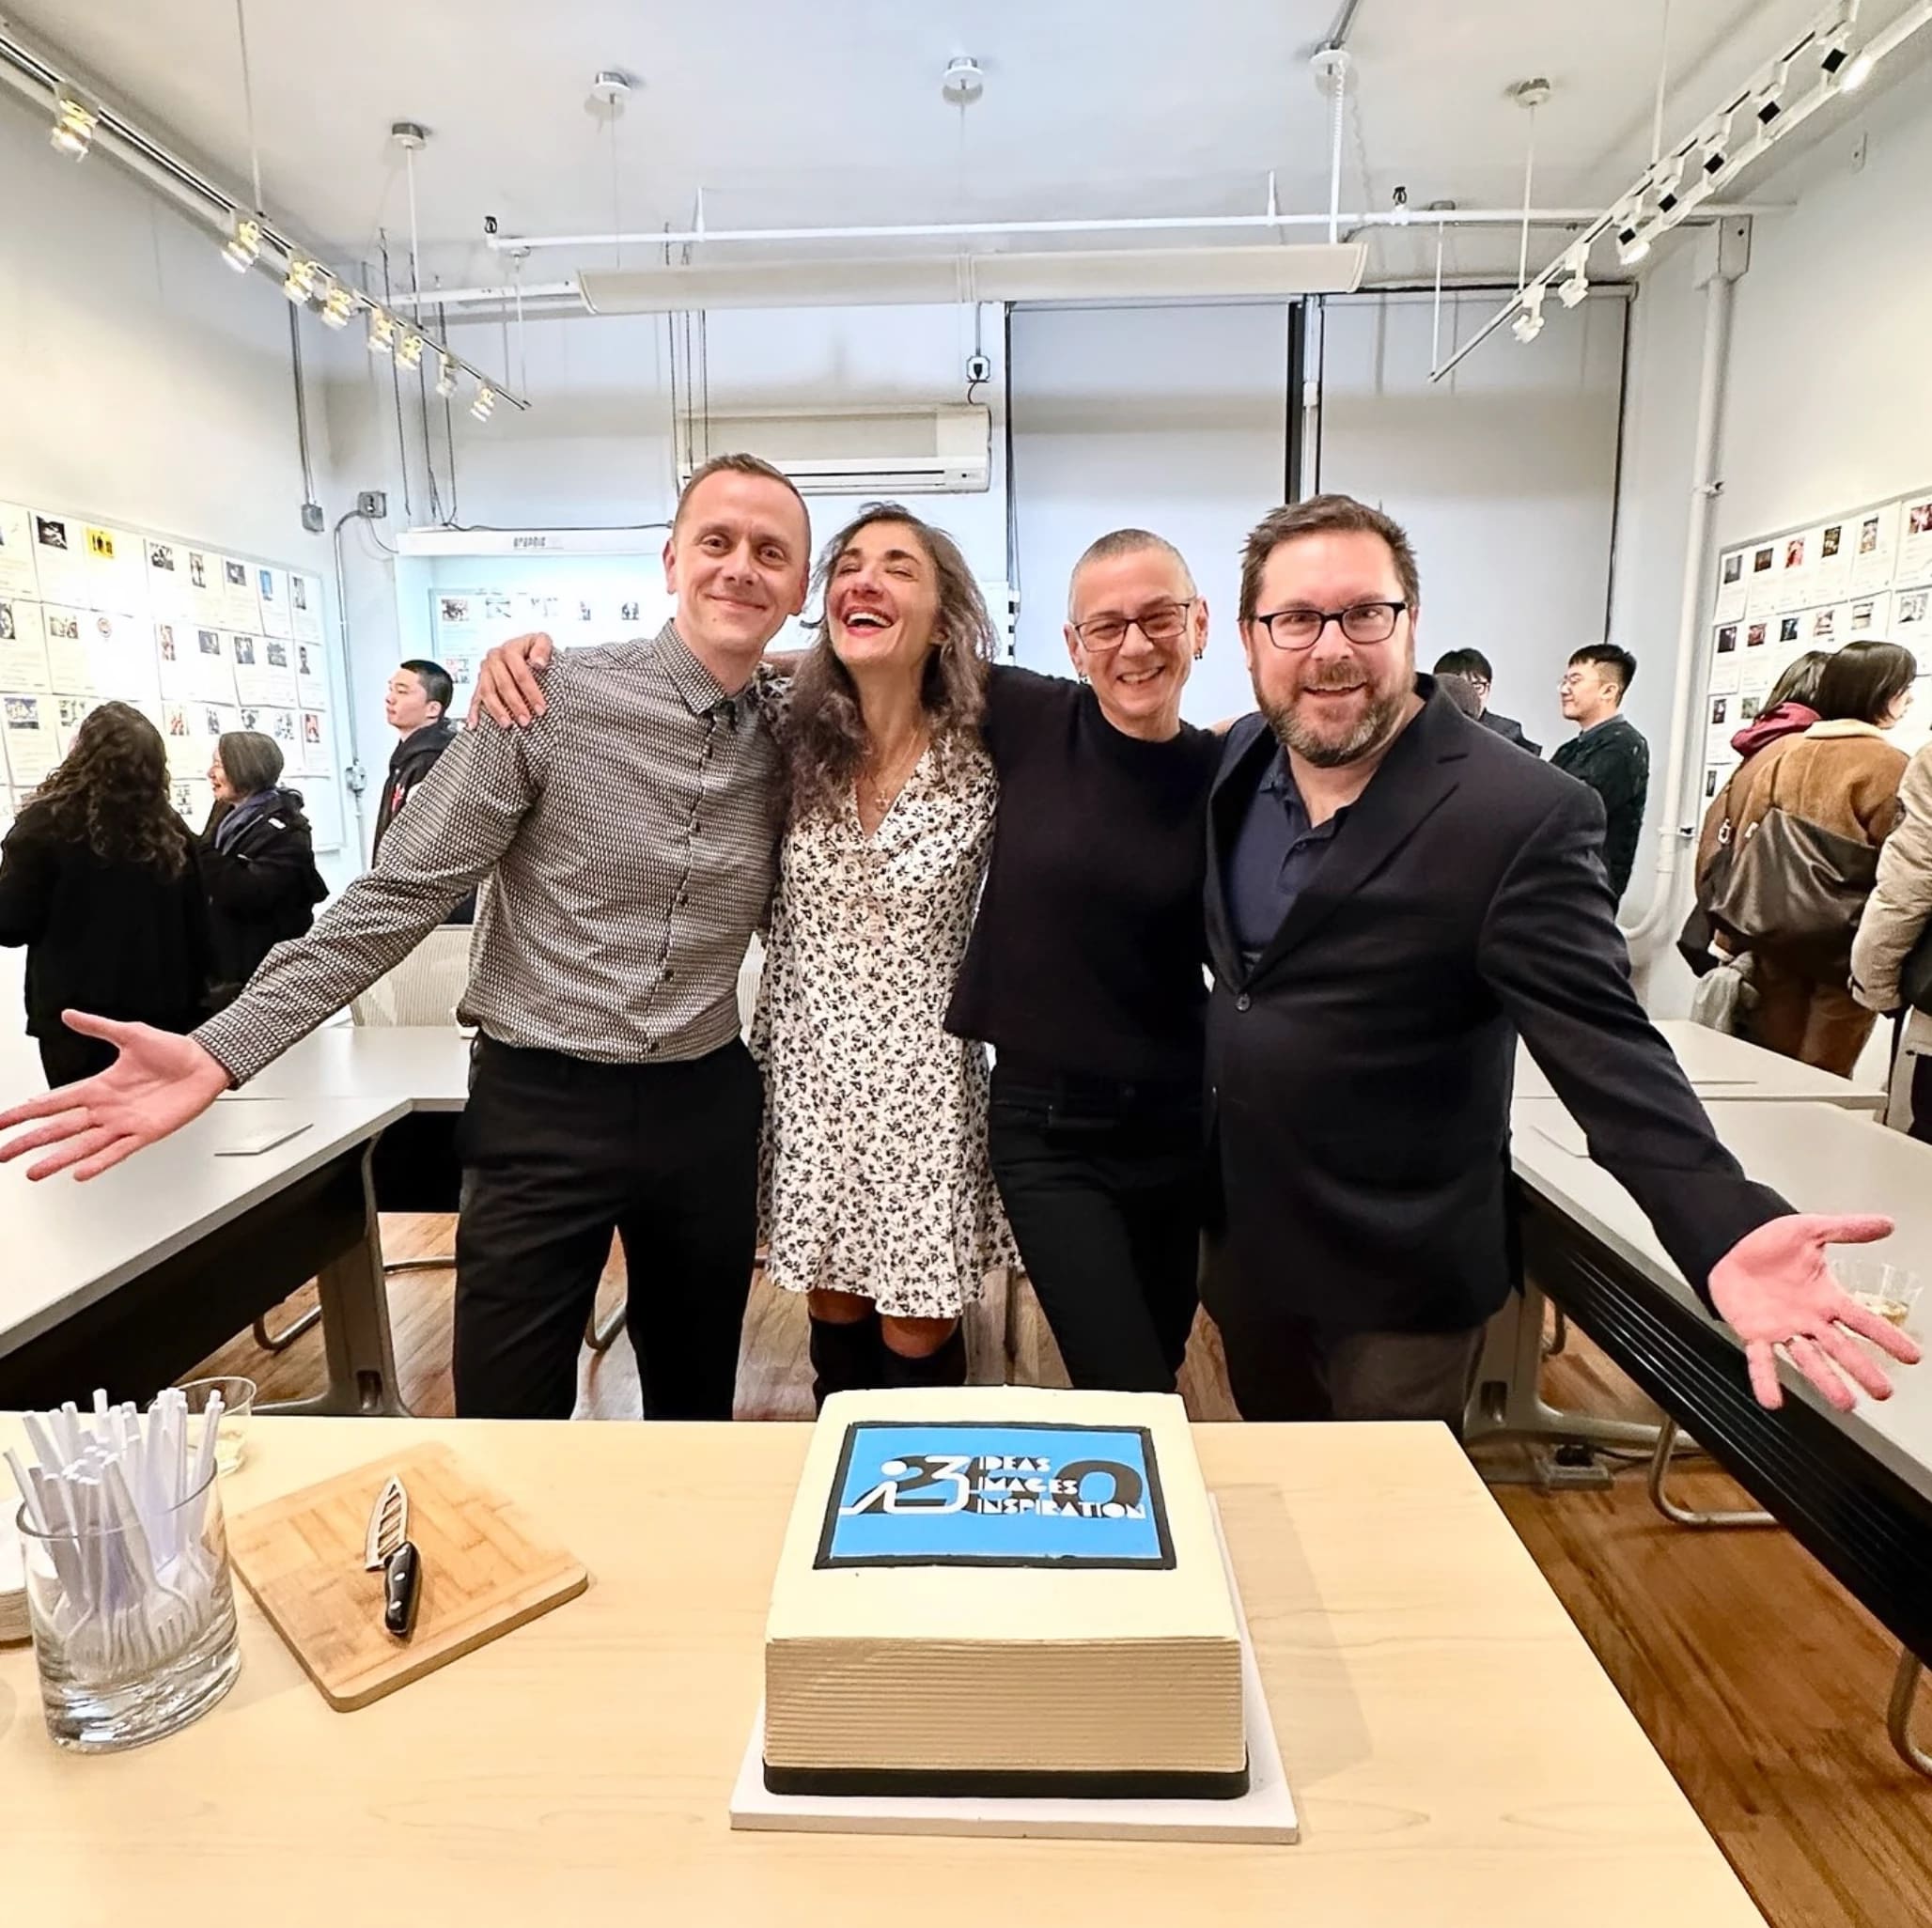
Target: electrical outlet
(312,517)
(373,502)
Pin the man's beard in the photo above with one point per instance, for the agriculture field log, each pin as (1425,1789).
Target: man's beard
(1379,721)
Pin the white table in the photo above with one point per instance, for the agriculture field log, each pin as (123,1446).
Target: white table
(1855,1488)
(134,1275)
(1722,1067)
(427,1066)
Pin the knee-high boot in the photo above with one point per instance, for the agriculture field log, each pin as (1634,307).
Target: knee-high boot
(945,1366)
(844,1357)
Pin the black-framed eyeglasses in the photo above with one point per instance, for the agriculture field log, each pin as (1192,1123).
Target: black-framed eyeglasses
(1166,622)
(1361,622)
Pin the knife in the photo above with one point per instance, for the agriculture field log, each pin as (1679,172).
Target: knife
(388,1549)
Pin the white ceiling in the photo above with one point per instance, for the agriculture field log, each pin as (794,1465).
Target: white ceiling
(790,114)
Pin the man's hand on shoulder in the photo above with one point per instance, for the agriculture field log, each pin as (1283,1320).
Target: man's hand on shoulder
(508,685)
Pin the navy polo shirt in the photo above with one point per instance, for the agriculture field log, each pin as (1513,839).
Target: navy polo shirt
(1273,858)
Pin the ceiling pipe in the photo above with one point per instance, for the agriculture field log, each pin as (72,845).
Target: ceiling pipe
(1139,223)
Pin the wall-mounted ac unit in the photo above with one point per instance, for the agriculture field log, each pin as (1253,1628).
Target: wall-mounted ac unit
(880,452)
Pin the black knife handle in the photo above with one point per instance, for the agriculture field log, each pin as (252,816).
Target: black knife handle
(403,1587)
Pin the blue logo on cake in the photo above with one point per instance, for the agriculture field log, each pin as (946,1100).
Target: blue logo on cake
(911,1494)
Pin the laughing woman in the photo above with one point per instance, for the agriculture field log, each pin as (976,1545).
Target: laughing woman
(877,1198)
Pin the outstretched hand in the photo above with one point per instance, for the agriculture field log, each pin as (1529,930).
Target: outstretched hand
(158,1083)
(1775,1289)
(506,685)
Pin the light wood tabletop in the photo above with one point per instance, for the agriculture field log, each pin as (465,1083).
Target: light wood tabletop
(1455,1752)
(1722,1068)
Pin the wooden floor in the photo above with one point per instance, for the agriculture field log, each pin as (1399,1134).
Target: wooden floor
(1761,1684)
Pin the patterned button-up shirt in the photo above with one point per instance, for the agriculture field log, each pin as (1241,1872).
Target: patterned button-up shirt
(632,836)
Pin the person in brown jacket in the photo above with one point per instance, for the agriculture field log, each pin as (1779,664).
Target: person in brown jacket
(1842,775)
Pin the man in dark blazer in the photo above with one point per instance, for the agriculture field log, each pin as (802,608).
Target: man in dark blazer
(1473,664)
(1393,895)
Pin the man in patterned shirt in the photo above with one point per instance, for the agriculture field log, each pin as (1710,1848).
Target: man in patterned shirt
(631,831)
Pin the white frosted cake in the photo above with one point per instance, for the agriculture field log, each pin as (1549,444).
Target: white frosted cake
(1003,1589)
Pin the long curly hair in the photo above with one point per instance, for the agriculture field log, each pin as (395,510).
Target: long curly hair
(824,734)
(111,792)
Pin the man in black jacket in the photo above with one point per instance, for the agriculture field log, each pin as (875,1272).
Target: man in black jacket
(1392,897)
(418,704)
(1607,752)
(1475,665)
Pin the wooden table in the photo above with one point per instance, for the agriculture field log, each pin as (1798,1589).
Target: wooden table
(1456,1754)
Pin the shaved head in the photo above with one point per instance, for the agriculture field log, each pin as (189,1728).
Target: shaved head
(1119,542)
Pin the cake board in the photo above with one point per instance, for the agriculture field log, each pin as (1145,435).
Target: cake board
(1264,1814)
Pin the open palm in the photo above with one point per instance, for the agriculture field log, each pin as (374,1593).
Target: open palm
(157,1085)
(1775,1289)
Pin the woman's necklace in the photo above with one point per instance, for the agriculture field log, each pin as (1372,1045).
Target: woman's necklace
(884,787)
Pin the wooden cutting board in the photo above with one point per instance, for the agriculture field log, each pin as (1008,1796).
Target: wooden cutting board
(486,1569)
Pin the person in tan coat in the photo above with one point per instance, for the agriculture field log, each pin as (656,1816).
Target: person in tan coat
(1842,775)
(1896,914)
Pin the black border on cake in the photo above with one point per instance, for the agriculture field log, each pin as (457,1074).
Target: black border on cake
(825,1559)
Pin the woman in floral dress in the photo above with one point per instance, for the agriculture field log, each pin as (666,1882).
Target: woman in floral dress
(877,1199)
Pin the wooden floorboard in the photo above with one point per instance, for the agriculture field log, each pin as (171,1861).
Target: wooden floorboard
(1758,1679)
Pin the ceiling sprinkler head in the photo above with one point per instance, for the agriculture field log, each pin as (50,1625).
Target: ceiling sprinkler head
(963,80)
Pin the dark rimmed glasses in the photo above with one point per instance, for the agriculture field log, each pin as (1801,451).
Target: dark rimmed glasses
(1361,622)
(1166,622)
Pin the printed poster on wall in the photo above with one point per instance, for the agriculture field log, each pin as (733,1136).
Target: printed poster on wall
(1909,608)
(194,800)
(206,601)
(1759,673)
(1832,572)
(240,610)
(32,748)
(1730,604)
(1797,577)
(306,607)
(1866,618)
(69,666)
(1761,595)
(1823,628)
(318,750)
(69,712)
(1876,556)
(60,559)
(311,676)
(117,570)
(1915,540)
(212,677)
(174,658)
(18,576)
(22,648)
(167,580)
(272,595)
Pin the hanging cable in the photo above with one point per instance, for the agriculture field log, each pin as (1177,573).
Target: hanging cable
(408,507)
(1522,265)
(248,100)
(1338,83)
(1663,75)
(415,288)
(448,423)
(1436,325)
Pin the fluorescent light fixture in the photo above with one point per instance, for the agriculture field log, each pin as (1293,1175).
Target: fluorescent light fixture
(242,248)
(445,379)
(339,305)
(486,400)
(382,333)
(408,348)
(73,126)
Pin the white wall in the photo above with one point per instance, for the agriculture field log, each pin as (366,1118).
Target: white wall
(1503,475)
(1828,402)
(1172,419)
(140,380)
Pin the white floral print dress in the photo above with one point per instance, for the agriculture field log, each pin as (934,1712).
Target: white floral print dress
(874,1176)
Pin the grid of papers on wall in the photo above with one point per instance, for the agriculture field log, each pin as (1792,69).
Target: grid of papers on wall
(1866,576)
(201,642)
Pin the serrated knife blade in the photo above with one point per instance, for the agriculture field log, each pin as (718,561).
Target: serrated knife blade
(388,1525)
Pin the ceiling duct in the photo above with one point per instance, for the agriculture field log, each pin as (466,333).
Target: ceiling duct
(1120,275)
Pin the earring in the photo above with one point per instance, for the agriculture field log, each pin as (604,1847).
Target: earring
(1200,652)
(1081,675)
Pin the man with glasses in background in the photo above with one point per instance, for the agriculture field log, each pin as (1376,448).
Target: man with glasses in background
(1474,667)
(1391,898)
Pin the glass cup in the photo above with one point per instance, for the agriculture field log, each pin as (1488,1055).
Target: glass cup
(1890,1290)
(135,1631)
(231,1431)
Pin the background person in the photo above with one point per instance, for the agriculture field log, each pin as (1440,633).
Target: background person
(1608,752)
(416,703)
(1474,666)
(1842,777)
(257,859)
(99,880)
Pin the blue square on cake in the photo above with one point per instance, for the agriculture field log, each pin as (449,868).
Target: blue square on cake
(967,1493)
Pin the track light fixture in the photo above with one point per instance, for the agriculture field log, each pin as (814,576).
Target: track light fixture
(1834,49)
(382,333)
(299,284)
(446,378)
(486,400)
(408,348)
(1717,148)
(339,305)
(1577,287)
(1670,187)
(1858,71)
(1767,102)
(242,248)
(1528,324)
(1632,243)
(73,126)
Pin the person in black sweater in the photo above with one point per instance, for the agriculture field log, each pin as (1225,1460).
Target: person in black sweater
(1607,752)
(258,858)
(99,880)
(1085,968)
(417,705)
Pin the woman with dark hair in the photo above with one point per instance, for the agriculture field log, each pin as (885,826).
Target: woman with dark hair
(1790,710)
(99,880)
(1839,783)
(257,855)
(876,1196)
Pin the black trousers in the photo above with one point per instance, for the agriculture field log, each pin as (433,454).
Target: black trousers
(558,1154)
(1284,1368)
(1102,1185)
(67,1057)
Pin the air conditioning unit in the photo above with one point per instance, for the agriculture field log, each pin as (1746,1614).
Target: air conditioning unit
(885,452)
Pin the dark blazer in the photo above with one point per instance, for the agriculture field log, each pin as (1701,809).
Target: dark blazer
(263,888)
(410,762)
(116,940)
(1359,1077)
